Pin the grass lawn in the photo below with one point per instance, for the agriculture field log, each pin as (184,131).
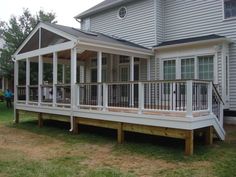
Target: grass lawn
(26,150)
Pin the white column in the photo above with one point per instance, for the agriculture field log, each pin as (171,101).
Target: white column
(209,97)
(16,82)
(82,73)
(141,97)
(73,76)
(27,79)
(131,68)
(54,78)
(40,79)
(99,76)
(99,66)
(189,104)
(178,68)
(131,79)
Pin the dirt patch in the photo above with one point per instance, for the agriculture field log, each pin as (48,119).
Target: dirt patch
(42,147)
(33,145)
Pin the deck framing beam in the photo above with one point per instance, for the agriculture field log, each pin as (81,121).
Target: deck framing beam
(121,127)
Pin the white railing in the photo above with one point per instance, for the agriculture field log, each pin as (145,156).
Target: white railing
(217,104)
(63,95)
(179,95)
(186,96)
(90,95)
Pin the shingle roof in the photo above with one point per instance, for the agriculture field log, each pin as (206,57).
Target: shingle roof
(188,40)
(106,4)
(77,33)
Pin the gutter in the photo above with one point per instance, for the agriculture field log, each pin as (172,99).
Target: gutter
(192,43)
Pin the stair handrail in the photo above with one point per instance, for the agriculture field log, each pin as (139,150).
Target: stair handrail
(217,93)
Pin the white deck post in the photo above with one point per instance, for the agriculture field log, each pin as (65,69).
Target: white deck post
(27,80)
(16,82)
(105,96)
(99,76)
(40,79)
(209,97)
(132,79)
(189,97)
(73,76)
(141,97)
(55,59)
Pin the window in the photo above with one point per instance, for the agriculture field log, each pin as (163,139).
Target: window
(122,12)
(187,68)
(206,67)
(169,70)
(229,8)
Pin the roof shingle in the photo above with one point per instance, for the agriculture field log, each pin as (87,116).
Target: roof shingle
(188,40)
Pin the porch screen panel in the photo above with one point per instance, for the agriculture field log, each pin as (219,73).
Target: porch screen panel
(187,68)
(206,67)
(169,70)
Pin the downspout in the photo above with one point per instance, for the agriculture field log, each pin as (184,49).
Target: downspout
(73,102)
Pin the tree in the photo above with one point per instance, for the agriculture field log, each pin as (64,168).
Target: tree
(14,32)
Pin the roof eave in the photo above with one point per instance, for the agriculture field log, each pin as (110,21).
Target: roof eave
(91,12)
(120,46)
(223,39)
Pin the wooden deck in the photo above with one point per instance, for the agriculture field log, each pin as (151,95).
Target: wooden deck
(122,127)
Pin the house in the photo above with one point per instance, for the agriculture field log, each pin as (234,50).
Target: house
(158,67)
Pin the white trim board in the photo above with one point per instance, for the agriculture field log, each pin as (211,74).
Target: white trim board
(47,27)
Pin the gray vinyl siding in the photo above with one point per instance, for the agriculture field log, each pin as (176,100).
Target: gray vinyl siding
(138,26)
(184,19)
(232,75)
(159,21)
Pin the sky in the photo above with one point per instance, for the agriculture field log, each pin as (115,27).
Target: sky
(65,9)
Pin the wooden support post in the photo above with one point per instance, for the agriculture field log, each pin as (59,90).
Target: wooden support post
(209,136)
(189,143)
(17,116)
(75,126)
(40,120)
(120,133)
